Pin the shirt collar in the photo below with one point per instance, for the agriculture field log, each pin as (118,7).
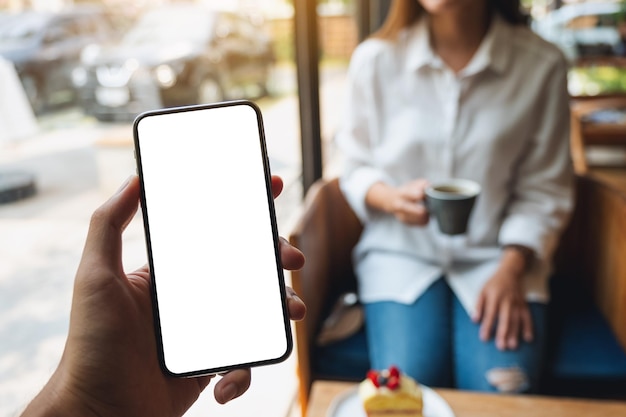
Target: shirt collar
(419,51)
(493,51)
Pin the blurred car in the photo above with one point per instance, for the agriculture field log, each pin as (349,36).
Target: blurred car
(583,29)
(45,47)
(176,55)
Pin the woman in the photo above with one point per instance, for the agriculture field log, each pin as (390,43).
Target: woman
(457,89)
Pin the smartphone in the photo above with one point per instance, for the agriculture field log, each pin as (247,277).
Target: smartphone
(212,241)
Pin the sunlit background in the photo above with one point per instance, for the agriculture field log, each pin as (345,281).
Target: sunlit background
(70,85)
(74,74)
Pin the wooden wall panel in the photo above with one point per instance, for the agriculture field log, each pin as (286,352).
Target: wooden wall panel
(597,243)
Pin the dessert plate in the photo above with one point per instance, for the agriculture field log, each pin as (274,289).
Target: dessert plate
(349,404)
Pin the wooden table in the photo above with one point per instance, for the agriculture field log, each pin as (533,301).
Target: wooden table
(472,404)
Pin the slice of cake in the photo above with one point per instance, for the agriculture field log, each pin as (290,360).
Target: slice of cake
(390,393)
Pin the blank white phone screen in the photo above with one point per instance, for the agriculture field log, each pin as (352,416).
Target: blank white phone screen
(209,222)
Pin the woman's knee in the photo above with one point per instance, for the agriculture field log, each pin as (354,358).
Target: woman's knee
(482,366)
(399,335)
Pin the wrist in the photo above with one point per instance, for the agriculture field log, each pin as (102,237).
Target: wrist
(57,400)
(380,197)
(517,258)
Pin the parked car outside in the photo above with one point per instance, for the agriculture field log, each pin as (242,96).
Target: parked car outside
(176,55)
(46,46)
(583,29)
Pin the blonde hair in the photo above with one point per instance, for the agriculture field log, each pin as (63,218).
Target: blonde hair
(403,13)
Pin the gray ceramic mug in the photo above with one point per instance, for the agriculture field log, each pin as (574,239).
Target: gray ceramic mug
(451,203)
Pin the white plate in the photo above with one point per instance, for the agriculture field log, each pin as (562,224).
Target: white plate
(349,405)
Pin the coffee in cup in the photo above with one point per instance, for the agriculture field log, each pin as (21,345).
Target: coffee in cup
(451,203)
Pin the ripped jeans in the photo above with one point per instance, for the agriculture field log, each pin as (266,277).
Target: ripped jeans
(435,341)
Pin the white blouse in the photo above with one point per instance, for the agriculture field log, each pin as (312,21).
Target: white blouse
(502,121)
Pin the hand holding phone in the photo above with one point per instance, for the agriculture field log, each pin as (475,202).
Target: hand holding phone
(205,193)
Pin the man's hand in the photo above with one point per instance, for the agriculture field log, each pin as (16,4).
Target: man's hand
(109,366)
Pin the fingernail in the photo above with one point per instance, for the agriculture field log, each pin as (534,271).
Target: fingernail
(296,298)
(124,185)
(229,392)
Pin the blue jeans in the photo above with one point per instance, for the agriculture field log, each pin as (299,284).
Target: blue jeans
(436,342)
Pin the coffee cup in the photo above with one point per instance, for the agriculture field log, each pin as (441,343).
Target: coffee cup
(451,203)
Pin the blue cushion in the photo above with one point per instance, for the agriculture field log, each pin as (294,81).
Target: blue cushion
(582,345)
(346,359)
(586,348)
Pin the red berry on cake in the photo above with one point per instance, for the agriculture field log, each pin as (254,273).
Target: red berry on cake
(389,392)
(373,376)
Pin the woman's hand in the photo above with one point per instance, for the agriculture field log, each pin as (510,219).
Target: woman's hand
(501,305)
(405,202)
(109,366)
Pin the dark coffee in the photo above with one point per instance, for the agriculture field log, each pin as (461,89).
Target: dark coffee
(451,189)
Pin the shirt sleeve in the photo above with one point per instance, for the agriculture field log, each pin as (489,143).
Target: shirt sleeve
(357,135)
(542,197)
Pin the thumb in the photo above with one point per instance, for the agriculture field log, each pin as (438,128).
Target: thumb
(103,247)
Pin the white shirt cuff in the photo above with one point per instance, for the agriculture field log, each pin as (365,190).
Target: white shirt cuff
(355,187)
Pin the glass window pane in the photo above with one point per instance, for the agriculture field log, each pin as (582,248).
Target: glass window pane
(66,132)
